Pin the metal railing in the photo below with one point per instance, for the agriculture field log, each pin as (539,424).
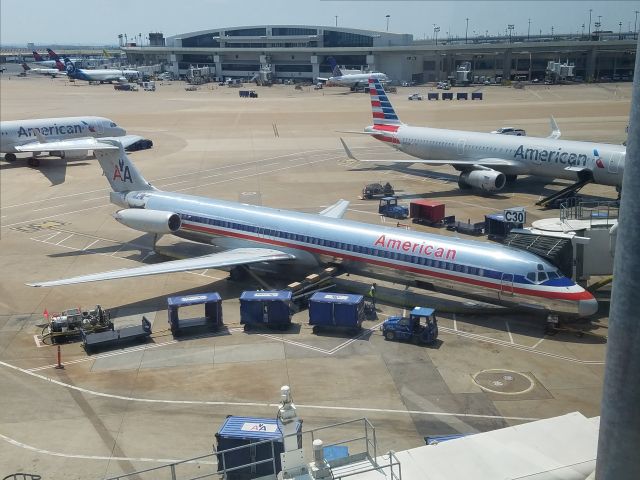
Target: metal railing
(364,447)
(603,212)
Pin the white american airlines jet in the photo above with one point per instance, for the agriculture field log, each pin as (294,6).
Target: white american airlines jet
(487,161)
(251,234)
(351,79)
(70,137)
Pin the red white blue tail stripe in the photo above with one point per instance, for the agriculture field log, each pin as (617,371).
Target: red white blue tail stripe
(383,112)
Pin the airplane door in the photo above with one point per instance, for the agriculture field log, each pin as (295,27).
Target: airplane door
(506,284)
(614,162)
(460,147)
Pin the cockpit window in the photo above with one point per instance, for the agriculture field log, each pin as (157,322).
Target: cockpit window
(542,276)
(112,124)
(553,275)
(531,276)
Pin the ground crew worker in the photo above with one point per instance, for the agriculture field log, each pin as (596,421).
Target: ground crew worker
(372,294)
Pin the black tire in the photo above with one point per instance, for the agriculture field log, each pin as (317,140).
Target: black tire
(10,157)
(247,327)
(390,335)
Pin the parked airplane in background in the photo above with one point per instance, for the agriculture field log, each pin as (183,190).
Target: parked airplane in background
(52,72)
(51,63)
(488,161)
(62,136)
(352,80)
(99,75)
(253,234)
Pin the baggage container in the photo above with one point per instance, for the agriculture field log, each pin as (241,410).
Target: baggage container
(476,95)
(462,96)
(211,321)
(447,95)
(270,308)
(426,212)
(336,310)
(247,432)
(433,96)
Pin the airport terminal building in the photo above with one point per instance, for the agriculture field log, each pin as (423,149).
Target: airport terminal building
(300,52)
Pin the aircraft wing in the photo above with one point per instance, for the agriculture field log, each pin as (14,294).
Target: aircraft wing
(88,143)
(128,140)
(230,258)
(475,163)
(336,210)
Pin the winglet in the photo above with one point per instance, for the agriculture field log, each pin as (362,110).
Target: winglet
(555,130)
(336,210)
(347,151)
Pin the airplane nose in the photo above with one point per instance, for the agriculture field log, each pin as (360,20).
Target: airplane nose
(120,132)
(587,307)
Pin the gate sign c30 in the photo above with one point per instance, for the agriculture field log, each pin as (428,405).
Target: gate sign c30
(515,215)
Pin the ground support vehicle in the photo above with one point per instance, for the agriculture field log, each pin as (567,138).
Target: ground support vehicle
(92,341)
(375,189)
(389,207)
(421,327)
(67,325)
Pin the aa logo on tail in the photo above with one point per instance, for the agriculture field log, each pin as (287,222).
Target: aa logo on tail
(599,162)
(122,172)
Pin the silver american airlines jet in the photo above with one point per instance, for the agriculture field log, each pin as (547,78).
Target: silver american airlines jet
(253,234)
(62,137)
(488,161)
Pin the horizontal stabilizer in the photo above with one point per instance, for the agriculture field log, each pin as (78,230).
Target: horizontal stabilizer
(230,258)
(88,143)
(336,210)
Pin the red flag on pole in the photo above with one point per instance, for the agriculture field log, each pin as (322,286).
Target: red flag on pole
(46,314)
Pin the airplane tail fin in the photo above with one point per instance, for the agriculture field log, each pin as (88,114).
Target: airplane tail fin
(68,65)
(122,174)
(59,65)
(53,55)
(383,112)
(37,56)
(335,70)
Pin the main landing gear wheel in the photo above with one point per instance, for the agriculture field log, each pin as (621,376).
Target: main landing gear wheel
(10,157)
(33,162)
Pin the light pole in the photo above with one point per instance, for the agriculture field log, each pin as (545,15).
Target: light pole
(528,30)
(597,30)
(388,17)
(552,31)
(466,30)
(635,25)
(620,31)
(336,20)
(510,27)
(583,29)
(590,10)
(436,29)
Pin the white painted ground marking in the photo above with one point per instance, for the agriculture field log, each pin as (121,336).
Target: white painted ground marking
(91,245)
(64,239)
(47,208)
(517,346)
(249,404)
(455,323)
(537,343)
(506,323)
(25,446)
(39,344)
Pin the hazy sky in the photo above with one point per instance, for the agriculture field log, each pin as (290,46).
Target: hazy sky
(100,22)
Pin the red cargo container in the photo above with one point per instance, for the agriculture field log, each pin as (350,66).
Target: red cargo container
(427,212)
